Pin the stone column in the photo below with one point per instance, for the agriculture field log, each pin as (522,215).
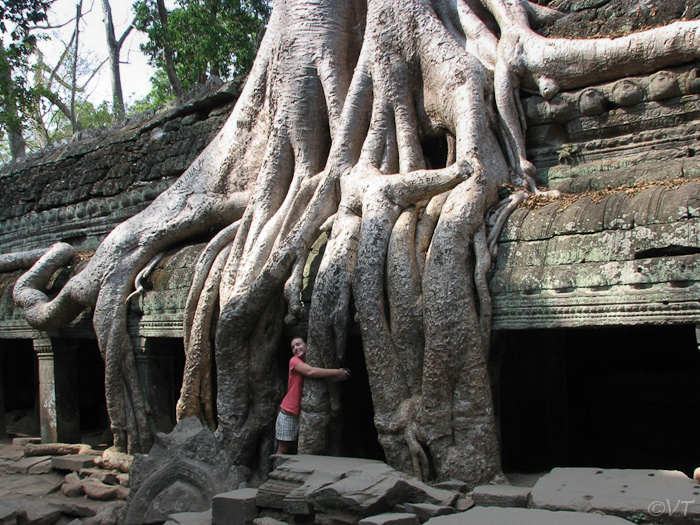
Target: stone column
(155,366)
(3,428)
(59,415)
(697,335)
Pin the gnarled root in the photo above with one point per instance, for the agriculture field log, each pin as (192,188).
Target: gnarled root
(28,294)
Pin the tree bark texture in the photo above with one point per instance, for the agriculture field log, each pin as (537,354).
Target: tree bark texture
(328,137)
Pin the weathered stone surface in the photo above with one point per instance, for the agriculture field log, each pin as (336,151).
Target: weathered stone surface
(23,465)
(95,489)
(8,516)
(391,518)
(74,462)
(453,485)
(22,441)
(105,476)
(72,486)
(236,507)
(656,494)
(40,513)
(501,496)
(425,511)
(268,521)
(110,514)
(182,472)
(43,467)
(464,504)
(190,518)
(348,487)
(501,516)
(11,452)
(296,476)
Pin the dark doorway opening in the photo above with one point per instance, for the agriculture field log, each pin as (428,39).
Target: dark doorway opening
(20,383)
(92,406)
(359,433)
(607,397)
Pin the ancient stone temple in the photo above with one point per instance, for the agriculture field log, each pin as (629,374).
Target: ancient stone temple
(593,359)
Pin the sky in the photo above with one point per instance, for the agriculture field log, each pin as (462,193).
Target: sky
(135,71)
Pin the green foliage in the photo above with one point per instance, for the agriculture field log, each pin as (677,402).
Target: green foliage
(161,93)
(568,153)
(207,37)
(17,18)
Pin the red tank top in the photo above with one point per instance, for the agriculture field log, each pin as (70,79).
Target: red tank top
(292,401)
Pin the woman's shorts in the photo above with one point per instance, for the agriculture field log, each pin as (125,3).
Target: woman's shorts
(287,427)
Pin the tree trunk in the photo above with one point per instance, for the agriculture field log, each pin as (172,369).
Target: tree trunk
(114,47)
(11,120)
(168,51)
(326,138)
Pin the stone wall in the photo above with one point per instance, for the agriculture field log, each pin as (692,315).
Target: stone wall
(79,191)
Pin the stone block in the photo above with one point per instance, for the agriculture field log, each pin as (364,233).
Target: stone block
(74,462)
(8,516)
(236,507)
(464,504)
(391,518)
(454,485)
(659,495)
(22,441)
(425,511)
(190,518)
(43,467)
(502,516)
(40,514)
(501,496)
(23,465)
(11,452)
(266,520)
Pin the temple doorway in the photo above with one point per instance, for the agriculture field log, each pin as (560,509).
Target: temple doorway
(622,397)
(20,387)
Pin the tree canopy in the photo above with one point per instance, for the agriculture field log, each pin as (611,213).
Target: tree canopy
(17,18)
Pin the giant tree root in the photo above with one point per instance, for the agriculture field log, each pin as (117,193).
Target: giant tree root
(329,135)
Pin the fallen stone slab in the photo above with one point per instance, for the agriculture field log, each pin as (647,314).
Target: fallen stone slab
(43,467)
(11,452)
(39,513)
(190,518)
(23,465)
(391,518)
(454,485)
(425,511)
(658,495)
(24,441)
(295,476)
(236,507)
(35,486)
(266,520)
(464,504)
(502,516)
(74,462)
(501,496)
(8,516)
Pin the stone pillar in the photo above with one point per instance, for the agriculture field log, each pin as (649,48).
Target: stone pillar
(697,335)
(155,367)
(59,415)
(3,428)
